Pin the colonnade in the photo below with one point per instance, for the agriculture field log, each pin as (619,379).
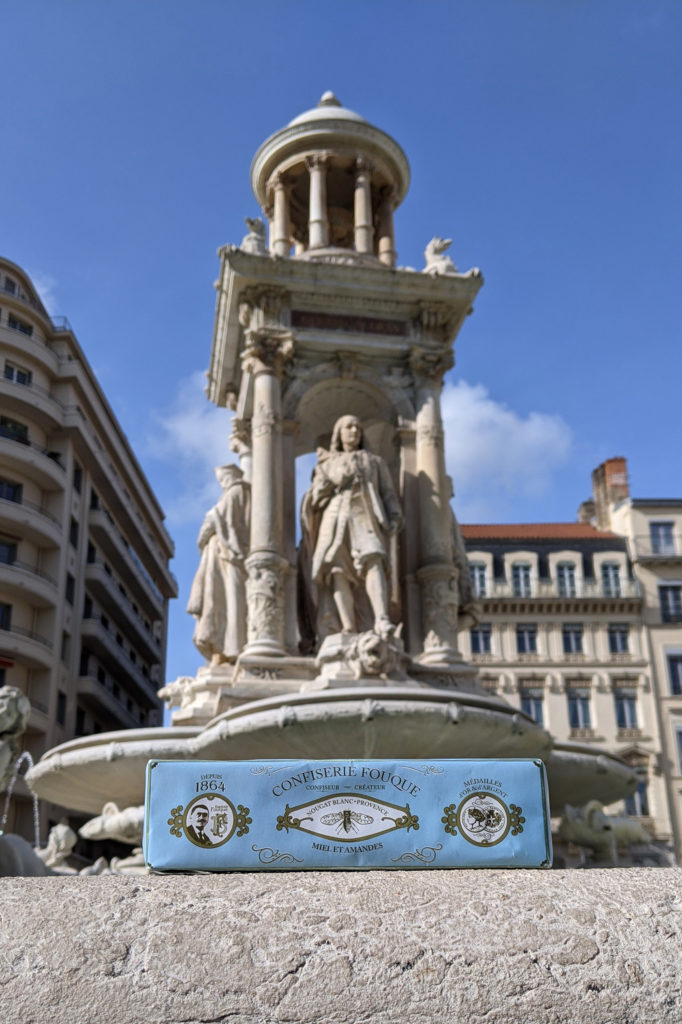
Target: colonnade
(431,582)
(364,215)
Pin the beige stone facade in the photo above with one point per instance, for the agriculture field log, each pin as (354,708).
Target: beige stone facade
(653,528)
(580,626)
(84,577)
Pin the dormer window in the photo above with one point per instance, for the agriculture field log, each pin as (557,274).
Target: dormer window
(565,573)
(521,582)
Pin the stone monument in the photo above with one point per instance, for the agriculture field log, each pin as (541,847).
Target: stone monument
(329,624)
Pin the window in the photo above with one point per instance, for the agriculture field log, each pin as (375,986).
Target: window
(77,478)
(532,699)
(61,707)
(84,665)
(87,607)
(626,708)
(679,750)
(565,574)
(480,640)
(637,804)
(477,572)
(8,551)
(572,636)
(671,603)
(70,589)
(101,676)
(619,637)
(527,639)
(92,553)
(675,674)
(73,534)
(66,648)
(10,286)
(19,325)
(662,538)
(80,721)
(5,616)
(579,709)
(10,491)
(15,431)
(610,579)
(521,579)
(18,374)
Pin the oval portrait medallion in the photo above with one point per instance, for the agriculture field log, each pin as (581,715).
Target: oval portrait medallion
(209,820)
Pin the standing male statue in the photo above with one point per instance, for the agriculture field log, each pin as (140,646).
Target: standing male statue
(217,598)
(348,515)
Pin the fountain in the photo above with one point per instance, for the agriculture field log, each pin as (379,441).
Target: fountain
(345,643)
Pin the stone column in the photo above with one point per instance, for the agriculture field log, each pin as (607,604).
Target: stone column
(318,219)
(289,431)
(436,574)
(386,246)
(280,238)
(264,358)
(364,229)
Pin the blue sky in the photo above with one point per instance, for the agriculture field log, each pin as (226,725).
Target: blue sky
(543,137)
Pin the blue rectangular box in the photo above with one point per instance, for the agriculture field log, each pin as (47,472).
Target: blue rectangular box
(317,815)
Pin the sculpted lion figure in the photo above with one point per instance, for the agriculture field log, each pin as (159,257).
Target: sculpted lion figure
(436,262)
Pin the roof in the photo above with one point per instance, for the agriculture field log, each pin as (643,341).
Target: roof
(535,531)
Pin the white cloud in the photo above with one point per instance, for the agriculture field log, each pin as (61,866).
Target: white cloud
(495,456)
(46,287)
(192,436)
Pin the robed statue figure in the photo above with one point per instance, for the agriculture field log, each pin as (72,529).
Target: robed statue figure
(217,599)
(348,516)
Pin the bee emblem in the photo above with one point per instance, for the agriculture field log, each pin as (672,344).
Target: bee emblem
(347,820)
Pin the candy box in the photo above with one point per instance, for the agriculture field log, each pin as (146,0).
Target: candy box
(318,815)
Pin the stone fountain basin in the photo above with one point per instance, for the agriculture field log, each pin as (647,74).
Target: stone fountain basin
(383,722)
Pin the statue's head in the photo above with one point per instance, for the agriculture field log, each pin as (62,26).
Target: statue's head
(228,474)
(347,434)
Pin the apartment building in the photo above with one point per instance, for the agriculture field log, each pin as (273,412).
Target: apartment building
(653,528)
(563,634)
(84,553)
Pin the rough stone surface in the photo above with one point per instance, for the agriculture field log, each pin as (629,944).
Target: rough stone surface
(463,946)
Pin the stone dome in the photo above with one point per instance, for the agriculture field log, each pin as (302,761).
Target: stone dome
(364,173)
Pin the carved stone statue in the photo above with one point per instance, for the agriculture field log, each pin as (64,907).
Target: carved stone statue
(15,709)
(436,261)
(254,242)
(348,515)
(217,599)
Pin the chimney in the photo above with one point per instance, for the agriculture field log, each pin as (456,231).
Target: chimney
(609,486)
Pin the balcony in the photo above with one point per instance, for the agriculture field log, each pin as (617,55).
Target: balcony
(664,551)
(23,457)
(26,647)
(583,735)
(97,697)
(114,657)
(29,520)
(107,535)
(105,589)
(28,583)
(546,589)
(33,401)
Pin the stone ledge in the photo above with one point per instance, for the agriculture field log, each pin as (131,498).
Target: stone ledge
(497,947)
